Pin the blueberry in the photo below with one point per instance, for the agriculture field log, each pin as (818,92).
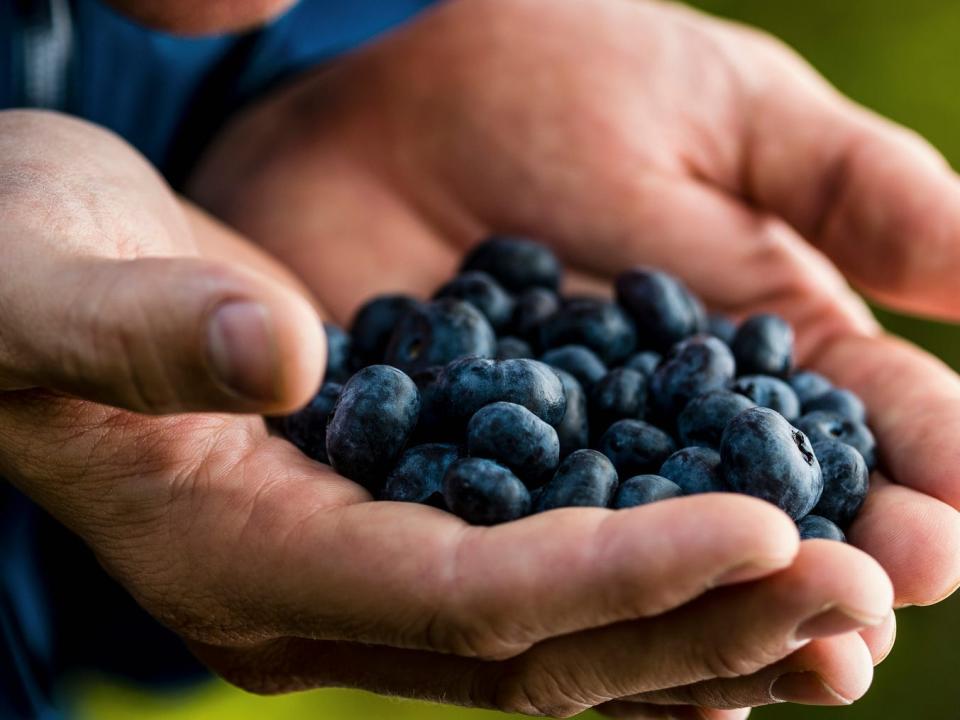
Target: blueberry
(439,332)
(517,263)
(372,420)
(763,345)
(769,392)
(620,395)
(579,361)
(307,428)
(814,527)
(845,481)
(531,309)
(807,384)
(645,362)
(418,475)
(375,322)
(484,493)
(512,348)
(704,418)
(584,479)
(574,430)
(484,293)
(722,327)
(643,490)
(466,385)
(663,309)
(693,367)
(339,359)
(840,402)
(515,438)
(695,470)
(635,447)
(821,425)
(599,325)
(764,456)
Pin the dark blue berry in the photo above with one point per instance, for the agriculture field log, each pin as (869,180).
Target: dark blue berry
(439,332)
(693,367)
(484,493)
(512,348)
(574,430)
(339,354)
(635,447)
(375,322)
(663,309)
(418,475)
(515,438)
(845,481)
(695,470)
(763,345)
(584,479)
(645,362)
(838,401)
(643,490)
(307,428)
(517,263)
(620,395)
(821,425)
(531,309)
(704,418)
(814,527)
(371,423)
(765,456)
(808,384)
(468,384)
(579,361)
(599,325)
(484,293)
(722,327)
(769,392)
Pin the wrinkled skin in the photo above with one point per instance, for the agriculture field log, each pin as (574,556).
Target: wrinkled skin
(281,574)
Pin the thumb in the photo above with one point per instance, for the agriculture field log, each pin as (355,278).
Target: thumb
(161,335)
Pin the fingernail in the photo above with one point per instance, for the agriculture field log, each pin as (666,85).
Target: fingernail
(751,570)
(805,688)
(834,621)
(242,350)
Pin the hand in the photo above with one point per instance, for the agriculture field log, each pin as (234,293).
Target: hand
(624,133)
(281,574)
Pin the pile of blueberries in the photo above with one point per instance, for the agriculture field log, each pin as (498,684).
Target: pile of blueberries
(628,402)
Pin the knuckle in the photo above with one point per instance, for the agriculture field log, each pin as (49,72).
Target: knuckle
(469,639)
(540,689)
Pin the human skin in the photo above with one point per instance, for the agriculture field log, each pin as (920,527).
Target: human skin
(282,575)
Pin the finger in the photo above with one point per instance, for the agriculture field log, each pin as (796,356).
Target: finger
(160,335)
(539,682)
(880,639)
(832,671)
(914,405)
(875,197)
(494,592)
(916,538)
(830,589)
(644,711)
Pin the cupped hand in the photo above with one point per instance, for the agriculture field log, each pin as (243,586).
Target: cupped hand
(623,133)
(283,575)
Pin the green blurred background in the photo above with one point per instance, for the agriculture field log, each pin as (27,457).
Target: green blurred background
(899,58)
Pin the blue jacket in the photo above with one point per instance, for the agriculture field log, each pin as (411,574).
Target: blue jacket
(166,96)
